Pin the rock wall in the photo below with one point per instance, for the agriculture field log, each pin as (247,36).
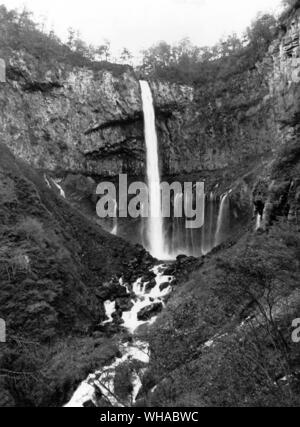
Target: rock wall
(280,180)
(78,120)
(72,120)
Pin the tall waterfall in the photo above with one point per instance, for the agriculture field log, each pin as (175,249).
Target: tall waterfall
(155,222)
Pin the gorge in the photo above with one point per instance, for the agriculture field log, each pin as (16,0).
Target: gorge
(144,311)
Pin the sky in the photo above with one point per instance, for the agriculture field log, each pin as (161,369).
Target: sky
(138,24)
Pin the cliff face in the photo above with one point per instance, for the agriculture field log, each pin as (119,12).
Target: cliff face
(278,189)
(72,120)
(91,122)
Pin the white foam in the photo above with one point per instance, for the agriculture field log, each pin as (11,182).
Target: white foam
(137,350)
(144,299)
(110,308)
(84,393)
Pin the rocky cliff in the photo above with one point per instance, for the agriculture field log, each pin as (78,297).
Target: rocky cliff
(278,188)
(78,120)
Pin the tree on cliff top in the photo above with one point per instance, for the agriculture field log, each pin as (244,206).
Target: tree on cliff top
(187,63)
(19,32)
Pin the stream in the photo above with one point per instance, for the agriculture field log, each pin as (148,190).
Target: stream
(146,303)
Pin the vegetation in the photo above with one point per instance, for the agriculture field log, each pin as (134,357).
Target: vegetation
(188,63)
(243,301)
(52,263)
(19,32)
(183,62)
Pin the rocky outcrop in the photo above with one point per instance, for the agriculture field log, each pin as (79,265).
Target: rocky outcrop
(76,120)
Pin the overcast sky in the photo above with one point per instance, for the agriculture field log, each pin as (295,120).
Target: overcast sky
(137,24)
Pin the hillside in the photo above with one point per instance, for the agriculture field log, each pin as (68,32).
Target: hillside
(54,266)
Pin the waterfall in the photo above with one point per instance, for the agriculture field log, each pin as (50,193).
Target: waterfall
(61,191)
(115,220)
(222,218)
(258,222)
(155,221)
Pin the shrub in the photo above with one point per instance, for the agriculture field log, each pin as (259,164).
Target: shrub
(31,229)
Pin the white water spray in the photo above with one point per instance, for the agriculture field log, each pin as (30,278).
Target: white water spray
(258,222)
(155,223)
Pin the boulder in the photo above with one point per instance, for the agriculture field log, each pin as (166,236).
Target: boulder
(124,304)
(164,286)
(150,311)
(150,285)
(89,404)
(111,291)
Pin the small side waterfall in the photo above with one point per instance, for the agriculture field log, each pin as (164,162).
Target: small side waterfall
(115,220)
(155,223)
(223,217)
(208,237)
(258,222)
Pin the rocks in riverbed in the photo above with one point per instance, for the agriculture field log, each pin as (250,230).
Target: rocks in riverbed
(109,330)
(124,304)
(151,285)
(150,311)
(164,286)
(182,267)
(89,404)
(150,276)
(111,291)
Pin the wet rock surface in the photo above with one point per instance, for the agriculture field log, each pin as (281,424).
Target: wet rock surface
(148,312)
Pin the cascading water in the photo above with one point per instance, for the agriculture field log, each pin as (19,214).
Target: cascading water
(222,219)
(115,220)
(258,222)
(132,352)
(155,221)
(209,224)
(166,238)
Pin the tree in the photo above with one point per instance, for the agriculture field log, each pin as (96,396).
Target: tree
(71,37)
(260,34)
(103,51)
(126,56)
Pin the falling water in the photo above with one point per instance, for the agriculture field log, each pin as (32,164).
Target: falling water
(61,191)
(222,218)
(208,237)
(155,223)
(258,222)
(115,220)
